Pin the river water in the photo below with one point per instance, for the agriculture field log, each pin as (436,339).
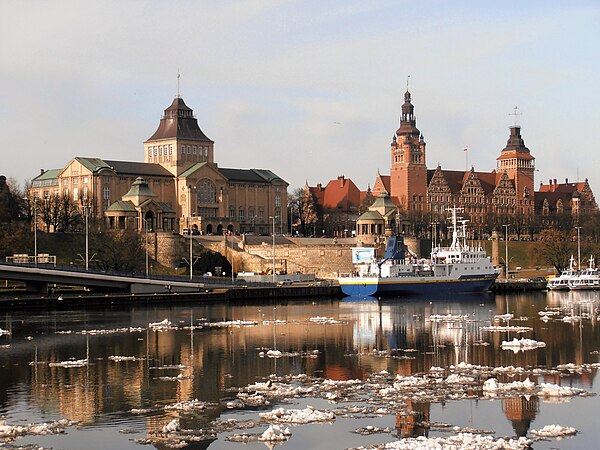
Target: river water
(118,380)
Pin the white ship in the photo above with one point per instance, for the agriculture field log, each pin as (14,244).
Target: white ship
(587,280)
(460,268)
(561,282)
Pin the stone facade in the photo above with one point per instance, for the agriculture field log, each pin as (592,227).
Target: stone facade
(180,172)
(507,191)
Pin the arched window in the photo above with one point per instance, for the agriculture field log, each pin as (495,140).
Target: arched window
(207,192)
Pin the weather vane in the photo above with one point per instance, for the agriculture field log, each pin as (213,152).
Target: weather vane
(516,114)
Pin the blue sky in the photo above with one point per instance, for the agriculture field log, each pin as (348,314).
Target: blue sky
(309,89)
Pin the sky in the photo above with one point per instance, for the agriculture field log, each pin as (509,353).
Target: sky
(308,89)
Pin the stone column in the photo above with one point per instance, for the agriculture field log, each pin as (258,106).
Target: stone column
(495,248)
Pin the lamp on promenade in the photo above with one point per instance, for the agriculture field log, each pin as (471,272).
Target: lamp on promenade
(35,230)
(506,249)
(273,248)
(578,249)
(147,223)
(33,199)
(189,228)
(86,208)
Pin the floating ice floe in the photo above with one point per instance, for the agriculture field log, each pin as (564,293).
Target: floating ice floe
(504,317)
(554,390)
(109,331)
(455,378)
(558,431)
(370,429)
(307,415)
(70,364)
(447,318)
(3,332)
(578,368)
(463,441)
(163,325)
(277,322)
(492,385)
(122,358)
(324,320)
(232,323)
(171,427)
(517,345)
(275,433)
(46,428)
(170,367)
(186,406)
(180,377)
(498,328)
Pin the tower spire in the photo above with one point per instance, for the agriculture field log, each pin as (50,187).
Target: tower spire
(178,77)
(516,114)
(407,80)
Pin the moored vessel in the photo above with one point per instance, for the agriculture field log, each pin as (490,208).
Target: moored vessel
(459,268)
(588,279)
(561,282)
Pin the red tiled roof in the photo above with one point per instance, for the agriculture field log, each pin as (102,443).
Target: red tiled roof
(562,187)
(340,193)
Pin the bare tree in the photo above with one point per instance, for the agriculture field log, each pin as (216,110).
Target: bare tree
(308,211)
(118,250)
(557,248)
(69,214)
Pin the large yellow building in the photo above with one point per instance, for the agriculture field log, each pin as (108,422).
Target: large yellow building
(178,186)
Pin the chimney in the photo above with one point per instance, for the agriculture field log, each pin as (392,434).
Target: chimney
(555,181)
(341,180)
(42,171)
(566,181)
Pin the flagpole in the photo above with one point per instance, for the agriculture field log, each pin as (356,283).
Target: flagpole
(466,150)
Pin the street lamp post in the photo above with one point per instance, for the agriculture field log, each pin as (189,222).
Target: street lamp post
(506,249)
(147,223)
(273,248)
(87,239)
(35,231)
(189,227)
(578,249)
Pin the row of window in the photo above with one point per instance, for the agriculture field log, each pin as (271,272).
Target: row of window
(167,150)
(252,217)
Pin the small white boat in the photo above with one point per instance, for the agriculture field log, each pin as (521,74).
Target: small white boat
(588,279)
(561,282)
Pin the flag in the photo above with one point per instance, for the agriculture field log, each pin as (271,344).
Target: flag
(465,149)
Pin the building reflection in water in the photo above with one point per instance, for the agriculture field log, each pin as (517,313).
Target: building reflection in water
(415,421)
(520,411)
(364,337)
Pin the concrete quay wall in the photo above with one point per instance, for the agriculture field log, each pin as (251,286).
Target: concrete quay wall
(325,258)
(251,295)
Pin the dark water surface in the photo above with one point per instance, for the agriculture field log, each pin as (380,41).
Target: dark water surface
(364,337)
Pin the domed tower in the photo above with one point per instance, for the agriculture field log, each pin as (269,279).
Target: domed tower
(178,142)
(519,164)
(408,174)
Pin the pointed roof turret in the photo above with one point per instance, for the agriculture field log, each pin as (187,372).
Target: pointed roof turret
(179,122)
(408,121)
(515,145)
(139,192)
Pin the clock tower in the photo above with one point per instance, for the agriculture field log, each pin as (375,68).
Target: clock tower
(408,174)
